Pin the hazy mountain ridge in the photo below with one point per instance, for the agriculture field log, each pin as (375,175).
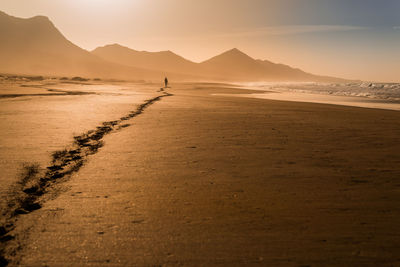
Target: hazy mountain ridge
(36,46)
(243,67)
(232,65)
(163,60)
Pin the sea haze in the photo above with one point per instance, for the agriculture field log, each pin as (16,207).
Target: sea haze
(384,91)
(368,95)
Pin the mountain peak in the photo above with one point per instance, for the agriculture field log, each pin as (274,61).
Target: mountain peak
(8,21)
(234,51)
(43,21)
(35,46)
(40,18)
(232,56)
(165,60)
(115,45)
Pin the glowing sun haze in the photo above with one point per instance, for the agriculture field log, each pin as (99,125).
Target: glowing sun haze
(356,39)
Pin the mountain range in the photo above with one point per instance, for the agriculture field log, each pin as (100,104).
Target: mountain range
(34,46)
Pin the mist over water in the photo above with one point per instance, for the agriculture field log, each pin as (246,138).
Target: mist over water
(381,91)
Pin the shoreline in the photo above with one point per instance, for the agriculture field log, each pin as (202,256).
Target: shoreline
(348,101)
(204,180)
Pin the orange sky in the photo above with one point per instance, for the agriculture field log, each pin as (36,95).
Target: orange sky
(356,39)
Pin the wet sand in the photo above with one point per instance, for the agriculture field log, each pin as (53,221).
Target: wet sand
(207,180)
(38,118)
(353,101)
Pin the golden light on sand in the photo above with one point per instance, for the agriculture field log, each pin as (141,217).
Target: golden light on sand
(184,132)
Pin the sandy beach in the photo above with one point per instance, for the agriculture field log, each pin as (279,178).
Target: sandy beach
(201,180)
(199,133)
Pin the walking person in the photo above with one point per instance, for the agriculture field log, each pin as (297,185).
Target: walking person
(166,82)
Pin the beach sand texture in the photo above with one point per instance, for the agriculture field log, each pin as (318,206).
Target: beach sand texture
(206,180)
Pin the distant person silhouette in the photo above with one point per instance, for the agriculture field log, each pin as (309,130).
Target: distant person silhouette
(166,82)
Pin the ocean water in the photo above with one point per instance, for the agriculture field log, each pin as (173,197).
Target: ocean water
(381,91)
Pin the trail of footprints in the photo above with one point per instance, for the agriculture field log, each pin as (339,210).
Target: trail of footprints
(64,163)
